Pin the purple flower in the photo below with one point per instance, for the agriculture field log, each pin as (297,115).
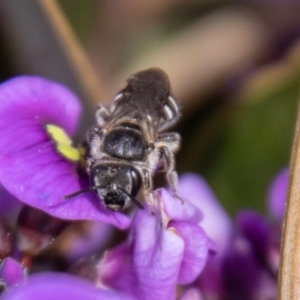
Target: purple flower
(39,167)
(165,247)
(216,224)
(191,294)
(9,206)
(33,167)
(277,194)
(247,262)
(162,250)
(11,273)
(246,265)
(59,286)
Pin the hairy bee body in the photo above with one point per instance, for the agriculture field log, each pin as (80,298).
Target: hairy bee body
(129,141)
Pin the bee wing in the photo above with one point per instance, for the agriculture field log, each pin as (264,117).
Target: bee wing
(119,112)
(141,108)
(148,115)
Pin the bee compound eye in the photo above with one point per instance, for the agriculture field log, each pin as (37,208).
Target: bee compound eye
(98,169)
(136,182)
(95,171)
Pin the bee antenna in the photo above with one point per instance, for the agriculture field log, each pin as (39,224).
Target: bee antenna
(78,193)
(135,201)
(91,188)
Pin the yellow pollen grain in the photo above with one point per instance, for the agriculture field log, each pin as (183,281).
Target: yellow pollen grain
(63,142)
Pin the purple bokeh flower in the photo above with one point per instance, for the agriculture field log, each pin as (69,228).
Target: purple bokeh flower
(59,286)
(216,224)
(191,294)
(247,263)
(277,194)
(11,273)
(31,167)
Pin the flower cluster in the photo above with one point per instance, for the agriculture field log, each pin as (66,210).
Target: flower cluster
(166,245)
(247,265)
(190,250)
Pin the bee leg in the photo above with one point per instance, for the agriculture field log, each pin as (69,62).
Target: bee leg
(169,139)
(172,177)
(148,190)
(94,130)
(102,115)
(88,165)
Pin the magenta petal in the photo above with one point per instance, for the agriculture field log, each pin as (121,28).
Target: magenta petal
(256,229)
(278,193)
(33,101)
(192,294)
(148,263)
(59,286)
(196,250)
(11,272)
(242,270)
(217,225)
(197,191)
(9,205)
(31,169)
(176,210)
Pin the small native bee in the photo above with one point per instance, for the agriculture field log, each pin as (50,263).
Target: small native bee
(129,143)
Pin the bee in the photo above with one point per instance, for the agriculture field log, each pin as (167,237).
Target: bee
(130,142)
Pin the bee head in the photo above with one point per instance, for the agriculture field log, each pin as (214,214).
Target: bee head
(116,185)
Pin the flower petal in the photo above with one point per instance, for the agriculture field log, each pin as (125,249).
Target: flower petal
(59,286)
(256,229)
(197,191)
(9,206)
(242,271)
(217,225)
(148,263)
(11,272)
(179,211)
(191,294)
(196,250)
(278,193)
(31,168)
